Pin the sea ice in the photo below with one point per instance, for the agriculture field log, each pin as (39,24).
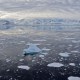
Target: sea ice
(73,78)
(44,53)
(39,40)
(32,49)
(74,51)
(55,65)
(8,60)
(41,56)
(45,49)
(66,54)
(72,64)
(24,67)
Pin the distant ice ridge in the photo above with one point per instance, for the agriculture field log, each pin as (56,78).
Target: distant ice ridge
(39,23)
(73,78)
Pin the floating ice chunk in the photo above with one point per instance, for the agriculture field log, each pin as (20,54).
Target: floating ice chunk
(39,40)
(8,70)
(75,41)
(41,56)
(8,60)
(32,43)
(21,60)
(66,54)
(72,64)
(75,51)
(55,65)
(45,49)
(24,67)
(73,78)
(69,38)
(70,45)
(44,53)
(32,49)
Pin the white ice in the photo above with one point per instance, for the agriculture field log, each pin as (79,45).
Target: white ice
(45,49)
(8,60)
(55,64)
(72,64)
(32,49)
(66,54)
(73,78)
(75,41)
(24,67)
(74,51)
(41,56)
(39,40)
(44,53)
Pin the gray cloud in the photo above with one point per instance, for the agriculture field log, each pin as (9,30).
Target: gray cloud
(14,5)
(70,6)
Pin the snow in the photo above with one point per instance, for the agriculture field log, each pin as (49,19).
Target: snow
(55,65)
(66,54)
(24,67)
(32,49)
(73,78)
(72,64)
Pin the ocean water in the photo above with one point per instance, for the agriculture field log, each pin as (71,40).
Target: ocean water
(59,59)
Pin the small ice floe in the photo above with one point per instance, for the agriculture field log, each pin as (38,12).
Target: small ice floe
(73,78)
(21,60)
(72,64)
(33,49)
(8,60)
(8,70)
(45,49)
(66,54)
(24,67)
(76,41)
(55,65)
(41,40)
(44,53)
(69,38)
(74,51)
(22,41)
(70,45)
(42,56)
(32,43)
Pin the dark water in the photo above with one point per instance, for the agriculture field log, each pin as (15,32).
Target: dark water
(11,51)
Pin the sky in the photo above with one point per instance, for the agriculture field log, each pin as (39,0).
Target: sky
(39,8)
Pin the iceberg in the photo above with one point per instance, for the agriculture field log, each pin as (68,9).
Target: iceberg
(32,49)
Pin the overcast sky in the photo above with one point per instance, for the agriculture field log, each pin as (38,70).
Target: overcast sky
(39,8)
